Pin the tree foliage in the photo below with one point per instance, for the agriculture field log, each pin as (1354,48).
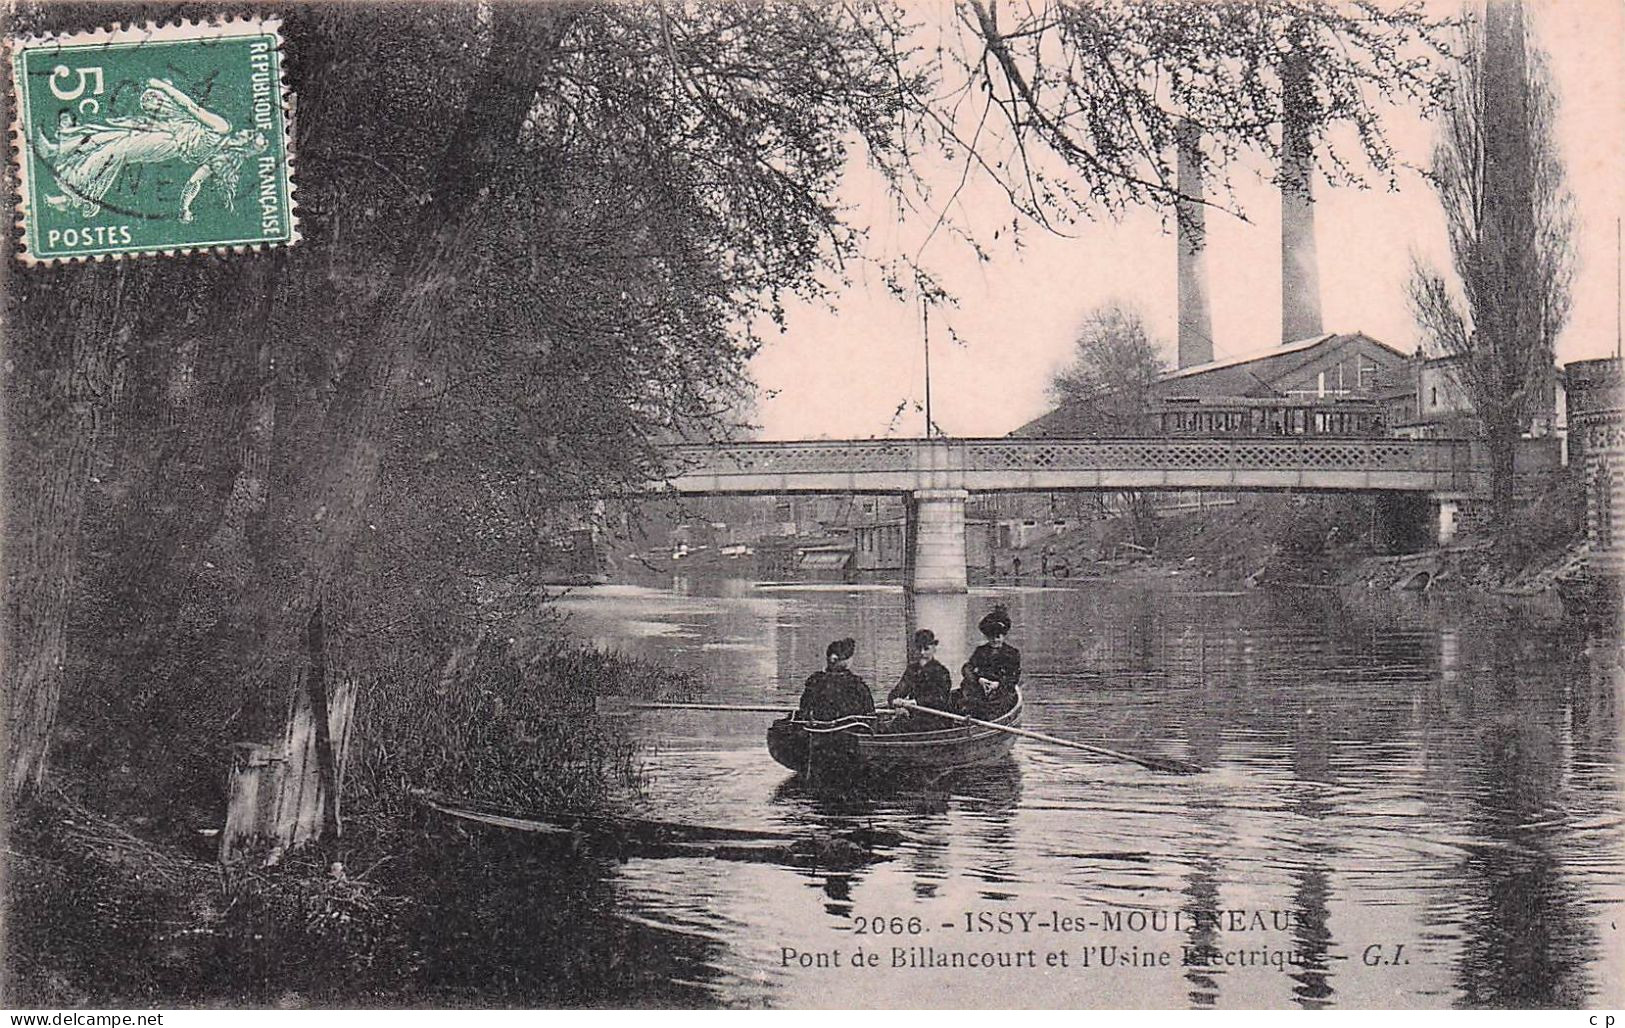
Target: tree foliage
(1104,391)
(1509,214)
(1105,387)
(1074,106)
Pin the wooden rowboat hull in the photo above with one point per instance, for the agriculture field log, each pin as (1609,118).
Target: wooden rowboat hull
(821,754)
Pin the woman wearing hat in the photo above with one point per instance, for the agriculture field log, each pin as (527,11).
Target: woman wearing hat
(924,681)
(988,680)
(836,692)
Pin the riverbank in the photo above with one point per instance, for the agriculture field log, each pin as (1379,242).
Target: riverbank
(105,908)
(1331,542)
(419,915)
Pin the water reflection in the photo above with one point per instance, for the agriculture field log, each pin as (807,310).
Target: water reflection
(949,616)
(1525,924)
(503,924)
(1310,749)
(1201,893)
(1386,775)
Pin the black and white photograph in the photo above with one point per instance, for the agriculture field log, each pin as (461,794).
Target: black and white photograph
(812,504)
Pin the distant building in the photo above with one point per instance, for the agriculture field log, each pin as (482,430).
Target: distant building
(1596,416)
(800,559)
(1426,398)
(806,515)
(574,556)
(1020,520)
(1328,367)
(1420,397)
(1591,389)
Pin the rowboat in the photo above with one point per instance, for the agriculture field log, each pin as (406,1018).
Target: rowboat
(851,746)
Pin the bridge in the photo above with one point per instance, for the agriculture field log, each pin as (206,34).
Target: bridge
(937,475)
(1437,466)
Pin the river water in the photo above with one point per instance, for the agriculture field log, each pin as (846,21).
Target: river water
(1403,806)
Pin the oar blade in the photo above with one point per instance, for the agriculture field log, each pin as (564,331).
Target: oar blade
(1169,765)
(1166,765)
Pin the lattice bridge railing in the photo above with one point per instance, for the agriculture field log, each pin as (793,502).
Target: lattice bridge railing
(1017,464)
(1202,454)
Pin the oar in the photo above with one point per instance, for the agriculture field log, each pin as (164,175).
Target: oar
(1173,767)
(612,705)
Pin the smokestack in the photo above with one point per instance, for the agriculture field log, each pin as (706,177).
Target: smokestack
(1300,269)
(1195,321)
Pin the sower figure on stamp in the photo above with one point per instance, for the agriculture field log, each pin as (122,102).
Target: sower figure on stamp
(836,692)
(89,158)
(924,681)
(988,680)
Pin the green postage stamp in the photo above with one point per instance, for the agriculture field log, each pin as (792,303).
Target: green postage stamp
(152,139)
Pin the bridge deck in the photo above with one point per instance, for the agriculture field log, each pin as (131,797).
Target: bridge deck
(1441,466)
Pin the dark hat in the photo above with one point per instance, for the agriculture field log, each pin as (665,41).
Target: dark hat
(995,622)
(923,638)
(841,649)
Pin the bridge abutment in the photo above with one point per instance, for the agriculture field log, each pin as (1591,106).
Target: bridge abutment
(935,556)
(1447,520)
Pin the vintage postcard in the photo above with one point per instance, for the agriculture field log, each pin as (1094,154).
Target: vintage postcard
(1095,504)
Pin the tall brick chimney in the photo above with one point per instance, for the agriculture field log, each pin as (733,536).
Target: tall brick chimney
(1195,320)
(1300,269)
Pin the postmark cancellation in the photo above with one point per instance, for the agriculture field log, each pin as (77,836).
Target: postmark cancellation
(152,139)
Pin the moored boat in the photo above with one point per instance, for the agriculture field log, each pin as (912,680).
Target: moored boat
(852,748)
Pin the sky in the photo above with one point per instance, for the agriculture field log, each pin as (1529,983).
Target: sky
(841,371)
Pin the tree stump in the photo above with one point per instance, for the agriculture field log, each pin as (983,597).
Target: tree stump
(276,800)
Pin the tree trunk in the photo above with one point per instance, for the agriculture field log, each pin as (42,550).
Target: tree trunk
(323,494)
(57,397)
(1142,518)
(1503,448)
(42,561)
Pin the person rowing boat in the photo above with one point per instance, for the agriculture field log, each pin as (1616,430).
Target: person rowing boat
(835,692)
(924,681)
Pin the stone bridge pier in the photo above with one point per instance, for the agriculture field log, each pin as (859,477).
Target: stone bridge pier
(1446,517)
(934,555)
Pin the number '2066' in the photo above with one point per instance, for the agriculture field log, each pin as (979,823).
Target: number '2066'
(881,925)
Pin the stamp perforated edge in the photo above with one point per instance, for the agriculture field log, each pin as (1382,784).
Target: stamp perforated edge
(178,31)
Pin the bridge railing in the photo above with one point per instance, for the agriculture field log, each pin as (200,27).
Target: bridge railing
(1343,454)
(808,455)
(1021,464)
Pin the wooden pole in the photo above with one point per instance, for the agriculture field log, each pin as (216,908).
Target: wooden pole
(925,322)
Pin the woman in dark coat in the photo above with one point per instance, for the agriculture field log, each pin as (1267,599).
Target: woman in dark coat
(988,680)
(836,692)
